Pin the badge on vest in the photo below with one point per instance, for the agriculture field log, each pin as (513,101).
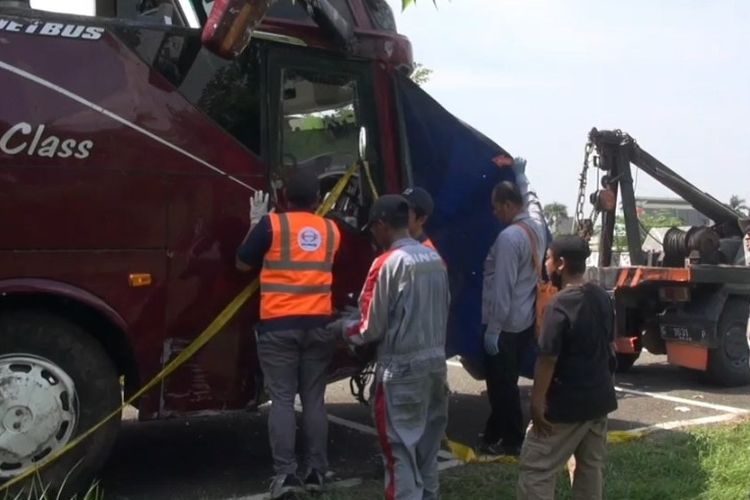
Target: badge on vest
(309,239)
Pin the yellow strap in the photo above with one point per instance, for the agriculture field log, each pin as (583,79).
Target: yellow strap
(209,333)
(368,174)
(467,455)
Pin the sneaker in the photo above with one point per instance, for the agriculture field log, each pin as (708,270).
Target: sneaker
(315,481)
(285,486)
(499,450)
(510,451)
(490,449)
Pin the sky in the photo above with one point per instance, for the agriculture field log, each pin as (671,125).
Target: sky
(537,75)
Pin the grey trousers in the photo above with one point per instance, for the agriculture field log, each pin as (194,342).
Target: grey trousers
(542,459)
(296,361)
(410,416)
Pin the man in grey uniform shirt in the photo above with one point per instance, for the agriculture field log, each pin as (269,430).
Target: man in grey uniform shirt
(404,309)
(508,307)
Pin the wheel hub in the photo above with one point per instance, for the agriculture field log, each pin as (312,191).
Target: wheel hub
(735,346)
(18,419)
(38,411)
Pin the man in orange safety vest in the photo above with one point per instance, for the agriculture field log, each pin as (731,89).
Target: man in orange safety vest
(294,252)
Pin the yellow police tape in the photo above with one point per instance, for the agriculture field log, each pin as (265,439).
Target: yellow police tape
(467,455)
(209,333)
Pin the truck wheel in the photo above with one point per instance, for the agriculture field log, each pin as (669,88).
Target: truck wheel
(728,364)
(626,361)
(57,382)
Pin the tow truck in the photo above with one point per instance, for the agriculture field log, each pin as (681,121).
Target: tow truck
(691,300)
(130,143)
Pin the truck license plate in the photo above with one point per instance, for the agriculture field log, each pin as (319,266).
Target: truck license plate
(684,333)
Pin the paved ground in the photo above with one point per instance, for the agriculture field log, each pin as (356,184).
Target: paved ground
(228,457)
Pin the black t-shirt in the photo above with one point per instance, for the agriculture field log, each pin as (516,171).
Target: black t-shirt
(578,329)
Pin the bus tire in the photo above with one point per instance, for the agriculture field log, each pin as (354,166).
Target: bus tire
(74,385)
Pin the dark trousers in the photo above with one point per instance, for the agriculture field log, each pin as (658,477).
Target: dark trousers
(506,419)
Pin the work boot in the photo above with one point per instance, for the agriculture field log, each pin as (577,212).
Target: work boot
(286,487)
(315,481)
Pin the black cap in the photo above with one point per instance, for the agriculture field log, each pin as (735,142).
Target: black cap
(419,200)
(302,188)
(570,246)
(393,209)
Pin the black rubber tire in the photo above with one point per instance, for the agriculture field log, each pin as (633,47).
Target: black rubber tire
(97,387)
(728,364)
(626,361)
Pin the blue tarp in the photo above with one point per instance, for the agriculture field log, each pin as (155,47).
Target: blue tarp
(455,164)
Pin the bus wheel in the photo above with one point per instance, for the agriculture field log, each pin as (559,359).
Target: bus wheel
(57,382)
(728,364)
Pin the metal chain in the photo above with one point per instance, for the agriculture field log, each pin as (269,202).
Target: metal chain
(582,180)
(595,208)
(585,226)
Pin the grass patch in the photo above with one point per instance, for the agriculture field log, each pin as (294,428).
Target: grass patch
(705,464)
(37,491)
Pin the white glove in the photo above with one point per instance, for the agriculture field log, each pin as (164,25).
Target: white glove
(350,323)
(350,318)
(340,327)
(491,340)
(258,206)
(519,168)
(351,312)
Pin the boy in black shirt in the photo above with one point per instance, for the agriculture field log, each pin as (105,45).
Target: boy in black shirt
(573,381)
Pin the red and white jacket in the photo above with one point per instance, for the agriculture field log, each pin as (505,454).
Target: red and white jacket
(404,308)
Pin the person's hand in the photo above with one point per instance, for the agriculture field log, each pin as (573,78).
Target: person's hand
(339,328)
(349,332)
(519,168)
(542,426)
(348,325)
(491,342)
(351,312)
(258,206)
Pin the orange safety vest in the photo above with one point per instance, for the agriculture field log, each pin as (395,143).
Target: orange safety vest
(296,276)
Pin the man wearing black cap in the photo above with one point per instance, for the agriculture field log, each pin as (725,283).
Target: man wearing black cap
(573,381)
(421,205)
(403,308)
(294,253)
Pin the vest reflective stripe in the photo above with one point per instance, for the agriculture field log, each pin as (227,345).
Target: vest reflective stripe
(296,277)
(299,266)
(296,289)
